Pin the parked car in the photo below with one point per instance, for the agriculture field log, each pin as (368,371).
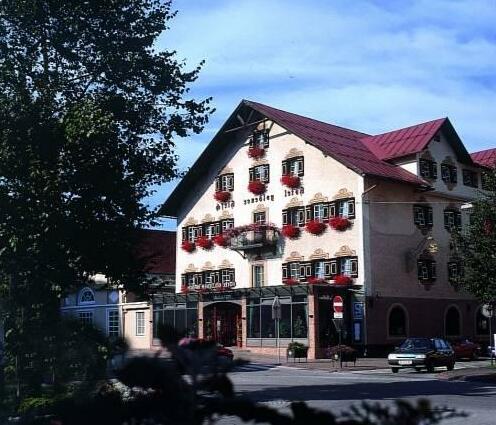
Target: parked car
(422,353)
(465,349)
(491,351)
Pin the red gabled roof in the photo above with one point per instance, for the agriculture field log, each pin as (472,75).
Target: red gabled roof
(157,249)
(343,144)
(405,141)
(486,158)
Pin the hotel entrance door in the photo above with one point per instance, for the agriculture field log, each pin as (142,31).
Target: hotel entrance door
(222,323)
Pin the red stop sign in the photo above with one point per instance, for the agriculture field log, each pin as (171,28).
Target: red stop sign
(337,304)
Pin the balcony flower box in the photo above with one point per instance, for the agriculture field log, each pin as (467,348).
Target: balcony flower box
(220,240)
(184,289)
(316,280)
(188,246)
(204,242)
(290,181)
(222,196)
(290,231)
(257,187)
(340,223)
(342,280)
(291,282)
(256,152)
(315,227)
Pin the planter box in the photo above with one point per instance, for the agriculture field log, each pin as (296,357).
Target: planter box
(297,353)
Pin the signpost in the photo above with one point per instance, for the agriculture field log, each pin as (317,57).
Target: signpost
(337,305)
(488,311)
(276,315)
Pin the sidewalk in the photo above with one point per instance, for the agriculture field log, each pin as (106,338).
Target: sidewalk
(482,374)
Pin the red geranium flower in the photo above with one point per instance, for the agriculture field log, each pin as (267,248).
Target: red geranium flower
(220,240)
(290,281)
(256,152)
(257,187)
(340,223)
(204,242)
(222,196)
(184,289)
(290,231)
(188,246)
(342,279)
(290,181)
(315,280)
(315,227)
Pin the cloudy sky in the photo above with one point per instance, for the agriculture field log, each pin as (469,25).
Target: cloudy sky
(371,65)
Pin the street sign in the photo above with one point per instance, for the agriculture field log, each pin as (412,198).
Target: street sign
(358,310)
(338,315)
(276,309)
(487,310)
(337,304)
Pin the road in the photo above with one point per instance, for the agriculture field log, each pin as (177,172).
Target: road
(277,386)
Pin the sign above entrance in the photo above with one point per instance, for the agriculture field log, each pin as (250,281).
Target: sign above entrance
(337,304)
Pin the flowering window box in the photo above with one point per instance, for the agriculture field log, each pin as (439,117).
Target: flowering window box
(257,187)
(290,181)
(188,246)
(316,280)
(290,281)
(256,152)
(340,223)
(220,240)
(315,227)
(342,280)
(222,196)
(204,242)
(184,289)
(290,231)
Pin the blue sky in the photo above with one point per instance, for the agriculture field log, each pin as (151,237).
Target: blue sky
(371,65)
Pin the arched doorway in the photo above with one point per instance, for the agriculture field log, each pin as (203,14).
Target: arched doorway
(397,322)
(452,322)
(222,323)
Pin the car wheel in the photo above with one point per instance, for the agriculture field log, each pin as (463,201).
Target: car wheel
(395,369)
(474,356)
(450,366)
(430,367)
(418,369)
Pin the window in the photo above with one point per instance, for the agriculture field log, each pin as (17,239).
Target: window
(342,208)
(294,270)
(86,296)
(211,229)
(422,215)
(258,276)
(140,323)
(260,173)
(428,168)
(397,322)
(348,266)
(470,178)
(225,182)
(452,322)
(294,216)
(85,317)
(259,217)
(320,212)
(293,167)
(452,220)
(319,270)
(227,224)
(260,139)
(449,173)
(228,276)
(191,233)
(113,323)
(426,270)
(454,271)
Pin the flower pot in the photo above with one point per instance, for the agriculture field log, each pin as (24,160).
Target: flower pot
(257,187)
(256,152)
(290,181)
(315,227)
(316,280)
(204,242)
(340,223)
(290,282)
(220,240)
(222,196)
(290,231)
(342,280)
(188,246)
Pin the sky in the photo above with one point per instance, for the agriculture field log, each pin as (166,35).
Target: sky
(370,65)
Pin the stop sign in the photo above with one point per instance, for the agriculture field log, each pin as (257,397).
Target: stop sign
(337,304)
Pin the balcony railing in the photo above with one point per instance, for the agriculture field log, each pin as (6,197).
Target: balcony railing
(254,239)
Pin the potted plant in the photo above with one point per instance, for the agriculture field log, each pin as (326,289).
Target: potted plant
(290,181)
(342,352)
(256,152)
(204,242)
(340,223)
(222,195)
(315,227)
(342,280)
(257,187)
(220,240)
(313,280)
(296,350)
(184,289)
(290,231)
(290,281)
(188,246)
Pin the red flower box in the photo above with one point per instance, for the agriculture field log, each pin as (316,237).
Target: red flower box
(290,181)
(291,282)
(257,187)
(204,242)
(256,152)
(290,231)
(222,196)
(220,240)
(315,227)
(184,289)
(188,246)
(340,223)
(343,280)
(315,280)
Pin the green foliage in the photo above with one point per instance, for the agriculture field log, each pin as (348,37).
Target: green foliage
(476,247)
(298,349)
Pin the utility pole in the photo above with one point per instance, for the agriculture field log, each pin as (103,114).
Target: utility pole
(276,315)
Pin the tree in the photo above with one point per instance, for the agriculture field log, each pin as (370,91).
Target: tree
(476,246)
(89,109)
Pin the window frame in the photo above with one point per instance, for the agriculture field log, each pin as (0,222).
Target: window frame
(113,329)
(140,328)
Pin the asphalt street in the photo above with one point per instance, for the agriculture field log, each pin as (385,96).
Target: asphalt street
(277,386)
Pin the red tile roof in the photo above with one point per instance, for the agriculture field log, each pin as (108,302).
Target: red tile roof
(405,141)
(157,249)
(343,144)
(486,158)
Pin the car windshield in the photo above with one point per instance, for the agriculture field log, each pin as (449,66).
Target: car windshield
(416,344)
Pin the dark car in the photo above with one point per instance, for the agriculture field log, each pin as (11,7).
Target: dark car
(422,353)
(465,349)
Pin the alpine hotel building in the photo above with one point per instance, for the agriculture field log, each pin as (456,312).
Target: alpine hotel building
(280,204)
